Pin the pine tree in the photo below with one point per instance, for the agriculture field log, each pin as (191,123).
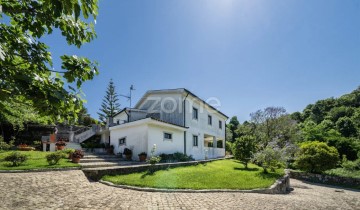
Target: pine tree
(110,105)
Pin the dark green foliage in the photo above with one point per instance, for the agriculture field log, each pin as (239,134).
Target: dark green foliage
(346,146)
(110,105)
(243,149)
(233,126)
(4,145)
(335,121)
(316,157)
(175,157)
(27,69)
(55,157)
(346,127)
(16,158)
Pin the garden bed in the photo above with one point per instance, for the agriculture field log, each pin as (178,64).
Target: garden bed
(36,160)
(221,174)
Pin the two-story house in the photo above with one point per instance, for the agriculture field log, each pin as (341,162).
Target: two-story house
(176,120)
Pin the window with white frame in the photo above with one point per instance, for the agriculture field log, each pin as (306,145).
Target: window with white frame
(195,141)
(122,141)
(167,136)
(220,124)
(195,113)
(209,120)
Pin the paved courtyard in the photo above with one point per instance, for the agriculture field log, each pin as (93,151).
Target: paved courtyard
(72,190)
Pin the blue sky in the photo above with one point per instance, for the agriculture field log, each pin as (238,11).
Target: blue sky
(250,54)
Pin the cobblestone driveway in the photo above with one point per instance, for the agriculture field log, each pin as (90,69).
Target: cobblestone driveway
(72,190)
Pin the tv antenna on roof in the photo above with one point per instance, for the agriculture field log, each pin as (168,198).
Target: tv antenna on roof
(129,98)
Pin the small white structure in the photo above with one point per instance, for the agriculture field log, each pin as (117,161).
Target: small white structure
(175,120)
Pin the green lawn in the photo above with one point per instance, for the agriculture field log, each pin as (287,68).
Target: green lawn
(221,174)
(36,160)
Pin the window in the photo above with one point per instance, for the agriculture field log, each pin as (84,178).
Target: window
(195,113)
(118,122)
(209,120)
(195,141)
(167,136)
(220,124)
(122,141)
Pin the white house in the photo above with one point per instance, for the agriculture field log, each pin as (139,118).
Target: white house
(176,120)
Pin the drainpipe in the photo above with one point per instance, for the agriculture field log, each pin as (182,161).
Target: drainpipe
(184,112)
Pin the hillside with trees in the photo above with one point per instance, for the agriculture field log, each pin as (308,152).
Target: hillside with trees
(326,134)
(335,121)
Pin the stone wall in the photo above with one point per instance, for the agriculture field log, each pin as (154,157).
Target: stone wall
(325,179)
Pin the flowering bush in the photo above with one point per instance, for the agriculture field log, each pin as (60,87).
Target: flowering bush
(77,154)
(154,159)
(60,143)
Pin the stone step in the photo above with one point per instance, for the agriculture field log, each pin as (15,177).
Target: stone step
(97,159)
(100,156)
(100,164)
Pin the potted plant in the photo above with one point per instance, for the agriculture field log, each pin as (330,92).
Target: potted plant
(60,145)
(128,153)
(142,156)
(110,149)
(76,156)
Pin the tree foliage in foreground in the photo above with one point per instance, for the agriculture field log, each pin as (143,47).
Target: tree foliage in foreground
(26,63)
(243,149)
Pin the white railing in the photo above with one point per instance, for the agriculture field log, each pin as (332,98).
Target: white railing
(212,152)
(84,135)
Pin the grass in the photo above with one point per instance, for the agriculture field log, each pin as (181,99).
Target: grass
(221,174)
(343,173)
(36,160)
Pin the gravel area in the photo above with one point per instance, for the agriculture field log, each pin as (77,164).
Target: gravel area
(72,190)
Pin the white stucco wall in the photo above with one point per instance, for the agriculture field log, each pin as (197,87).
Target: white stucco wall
(200,127)
(122,117)
(136,139)
(156,136)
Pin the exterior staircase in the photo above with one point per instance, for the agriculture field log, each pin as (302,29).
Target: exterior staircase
(100,160)
(73,145)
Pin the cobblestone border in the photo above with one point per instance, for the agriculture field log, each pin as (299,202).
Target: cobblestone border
(41,170)
(281,186)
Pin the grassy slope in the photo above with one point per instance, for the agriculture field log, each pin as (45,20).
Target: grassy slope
(222,174)
(36,160)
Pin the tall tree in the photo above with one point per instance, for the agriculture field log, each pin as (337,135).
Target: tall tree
(274,124)
(110,105)
(25,60)
(233,126)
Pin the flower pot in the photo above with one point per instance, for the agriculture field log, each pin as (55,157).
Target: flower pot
(142,158)
(60,147)
(128,157)
(75,160)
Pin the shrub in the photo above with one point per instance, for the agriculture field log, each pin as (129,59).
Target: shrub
(243,149)
(4,145)
(153,159)
(228,147)
(269,158)
(178,156)
(67,151)
(316,157)
(16,158)
(55,157)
